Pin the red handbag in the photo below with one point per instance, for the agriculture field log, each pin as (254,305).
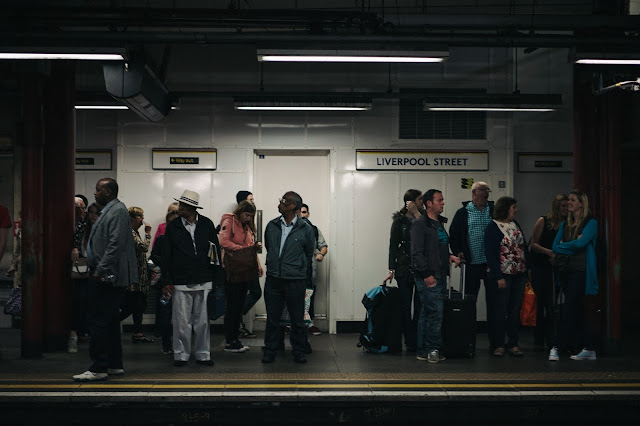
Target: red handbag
(529,307)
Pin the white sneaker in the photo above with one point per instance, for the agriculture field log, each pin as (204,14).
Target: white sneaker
(585,355)
(553,354)
(90,376)
(115,371)
(72,346)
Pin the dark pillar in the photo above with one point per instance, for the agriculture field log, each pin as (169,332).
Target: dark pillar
(599,126)
(58,191)
(32,215)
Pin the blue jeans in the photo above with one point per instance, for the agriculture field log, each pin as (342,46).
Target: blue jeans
(430,322)
(505,309)
(407,285)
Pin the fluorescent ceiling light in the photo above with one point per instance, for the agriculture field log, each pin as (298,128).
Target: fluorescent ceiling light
(493,102)
(275,103)
(88,54)
(290,55)
(608,61)
(102,107)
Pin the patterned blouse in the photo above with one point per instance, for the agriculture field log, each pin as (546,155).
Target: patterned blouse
(141,255)
(512,256)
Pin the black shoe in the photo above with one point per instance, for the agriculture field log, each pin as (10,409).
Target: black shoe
(245,332)
(268,357)
(179,363)
(307,348)
(299,358)
(141,339)
(207,362)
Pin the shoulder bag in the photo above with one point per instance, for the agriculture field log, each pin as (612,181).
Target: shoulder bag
(240,265)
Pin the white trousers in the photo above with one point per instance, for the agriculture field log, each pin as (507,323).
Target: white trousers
(190,315)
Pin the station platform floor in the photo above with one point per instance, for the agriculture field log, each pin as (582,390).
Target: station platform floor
(339,384)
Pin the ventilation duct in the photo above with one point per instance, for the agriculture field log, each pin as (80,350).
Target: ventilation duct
(135,85)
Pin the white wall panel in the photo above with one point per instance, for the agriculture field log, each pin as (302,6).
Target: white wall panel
(225,188)
(373,128)
(200,182)
(86,182)
(232,160)
(136,158)
(283,131)
(239,129)
(144,190)
(345,159)
(329,132)
(189,129)
(142,133)
(344,297)
(373,194)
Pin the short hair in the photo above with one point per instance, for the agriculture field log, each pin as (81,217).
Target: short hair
(296,198)
(305,206)
(77,200)
(175,204)
(135,211)
(171,214)
(242,195)
(480,184)
(428,196)
(111,185)
(501,209)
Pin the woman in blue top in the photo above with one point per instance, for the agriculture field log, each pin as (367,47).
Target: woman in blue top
(576,239)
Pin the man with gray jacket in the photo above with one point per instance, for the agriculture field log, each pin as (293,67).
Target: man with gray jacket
(290,242)
(112,267)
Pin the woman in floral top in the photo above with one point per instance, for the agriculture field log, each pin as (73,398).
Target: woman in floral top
(506,251)
(135,301)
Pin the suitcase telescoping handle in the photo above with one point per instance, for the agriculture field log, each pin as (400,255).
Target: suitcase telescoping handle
(463,268)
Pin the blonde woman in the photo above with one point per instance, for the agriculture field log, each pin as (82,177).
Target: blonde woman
(575,250)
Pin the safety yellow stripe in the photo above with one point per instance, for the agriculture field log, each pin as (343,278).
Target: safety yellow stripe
(261,386)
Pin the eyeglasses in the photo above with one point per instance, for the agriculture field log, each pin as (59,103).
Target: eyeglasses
(283,201)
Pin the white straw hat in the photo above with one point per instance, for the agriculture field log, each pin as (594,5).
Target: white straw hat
(191,198)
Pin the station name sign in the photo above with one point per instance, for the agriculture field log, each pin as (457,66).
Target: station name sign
(99,159)
(184,159)
(423,161)
(541,162)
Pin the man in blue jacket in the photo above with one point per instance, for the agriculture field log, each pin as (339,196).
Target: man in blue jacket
(190,268)
(290,242)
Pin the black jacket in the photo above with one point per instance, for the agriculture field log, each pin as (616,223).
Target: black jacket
(295,261)
(459,231)
(425,247)
(180,263)
(400,245)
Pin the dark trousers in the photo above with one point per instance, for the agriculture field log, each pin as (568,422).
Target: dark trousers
(409,296)
(135,303)
(574,332)
(235,295)
(255,293)
(79,305)
(542,281)
(105,347)
(277,293)
(474,273)
(505,309)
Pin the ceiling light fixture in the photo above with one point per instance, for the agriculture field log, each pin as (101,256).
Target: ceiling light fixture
(285,103)
(494,102)
(293,55)
(68,53)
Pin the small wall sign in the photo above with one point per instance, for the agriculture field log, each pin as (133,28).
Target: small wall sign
(536,162)
(99,159)
(184,159)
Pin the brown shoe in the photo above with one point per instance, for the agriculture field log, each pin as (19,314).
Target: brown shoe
(516,352)
(499,352)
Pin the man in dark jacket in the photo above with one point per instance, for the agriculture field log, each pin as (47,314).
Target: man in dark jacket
(190,266)
(290,242)
(467,235)
(430,260)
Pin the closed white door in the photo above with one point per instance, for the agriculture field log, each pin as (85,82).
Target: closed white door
(307,173)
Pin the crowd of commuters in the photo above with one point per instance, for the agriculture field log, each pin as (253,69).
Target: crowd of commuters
(488,238)
(191,257)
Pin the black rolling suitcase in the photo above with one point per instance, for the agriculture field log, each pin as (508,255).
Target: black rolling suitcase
(459,322)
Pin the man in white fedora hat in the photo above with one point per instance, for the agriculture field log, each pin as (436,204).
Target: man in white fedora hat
(190,266)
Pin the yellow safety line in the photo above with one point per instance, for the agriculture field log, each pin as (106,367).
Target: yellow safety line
(260,386)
